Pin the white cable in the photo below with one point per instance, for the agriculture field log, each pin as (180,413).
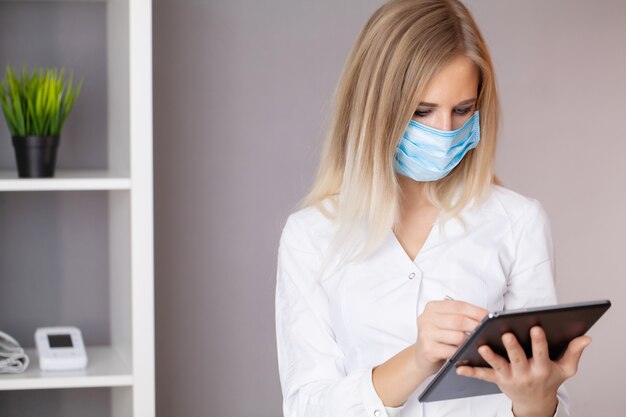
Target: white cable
(13,359)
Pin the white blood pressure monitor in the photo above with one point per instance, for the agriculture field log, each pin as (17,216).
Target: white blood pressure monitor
(60,348)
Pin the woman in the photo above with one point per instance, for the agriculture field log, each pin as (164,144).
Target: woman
(407,240)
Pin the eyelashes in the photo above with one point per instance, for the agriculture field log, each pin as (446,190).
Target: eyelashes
(460,112)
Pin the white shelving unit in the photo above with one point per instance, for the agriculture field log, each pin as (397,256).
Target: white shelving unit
(65,181)
(106,369)
(126,365)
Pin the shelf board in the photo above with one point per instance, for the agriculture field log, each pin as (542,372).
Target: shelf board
(105,368)
(64,180)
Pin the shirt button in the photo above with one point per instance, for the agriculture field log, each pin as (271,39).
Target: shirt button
(412,275)
(376,413)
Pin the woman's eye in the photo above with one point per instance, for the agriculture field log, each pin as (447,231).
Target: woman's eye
(421,113)
(461,112)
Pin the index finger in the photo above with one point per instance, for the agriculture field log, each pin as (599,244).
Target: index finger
(461,307)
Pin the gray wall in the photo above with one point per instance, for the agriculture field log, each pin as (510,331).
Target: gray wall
(242,94)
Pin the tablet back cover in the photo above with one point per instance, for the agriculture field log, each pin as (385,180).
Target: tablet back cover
(561,322)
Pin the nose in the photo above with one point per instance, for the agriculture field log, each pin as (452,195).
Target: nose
(443,121)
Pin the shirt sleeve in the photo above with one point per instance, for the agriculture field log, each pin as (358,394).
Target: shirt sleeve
(313,378)
(505,408)
(531,281)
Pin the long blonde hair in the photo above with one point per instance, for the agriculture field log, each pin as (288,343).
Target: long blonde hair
(401,47)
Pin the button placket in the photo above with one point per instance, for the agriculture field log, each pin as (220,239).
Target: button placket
(415,272)
(416,280)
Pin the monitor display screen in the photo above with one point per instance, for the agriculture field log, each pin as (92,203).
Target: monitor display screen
(60,340)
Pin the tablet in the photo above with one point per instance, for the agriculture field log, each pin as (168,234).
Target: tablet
(561,323)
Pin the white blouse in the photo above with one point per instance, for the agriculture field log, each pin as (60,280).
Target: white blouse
(333,329)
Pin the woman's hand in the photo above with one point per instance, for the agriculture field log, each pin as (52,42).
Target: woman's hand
(442,327)
(530,383)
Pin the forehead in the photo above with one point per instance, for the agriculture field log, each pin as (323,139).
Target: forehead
(455,81)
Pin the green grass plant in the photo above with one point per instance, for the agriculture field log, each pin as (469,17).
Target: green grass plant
(37,104)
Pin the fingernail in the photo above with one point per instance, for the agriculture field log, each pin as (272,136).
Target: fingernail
(536,331)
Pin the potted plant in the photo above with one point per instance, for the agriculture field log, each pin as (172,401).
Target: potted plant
(35,107)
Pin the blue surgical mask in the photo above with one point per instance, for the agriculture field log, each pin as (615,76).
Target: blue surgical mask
(428,154)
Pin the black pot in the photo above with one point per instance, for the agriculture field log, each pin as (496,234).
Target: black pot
(35,155)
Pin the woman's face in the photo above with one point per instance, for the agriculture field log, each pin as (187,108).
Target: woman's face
(450,97)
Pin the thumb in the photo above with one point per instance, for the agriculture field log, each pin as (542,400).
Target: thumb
(571,357)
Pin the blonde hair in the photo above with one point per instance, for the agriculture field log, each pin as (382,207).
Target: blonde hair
(401,47)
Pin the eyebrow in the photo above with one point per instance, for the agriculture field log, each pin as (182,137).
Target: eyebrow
(469,100)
